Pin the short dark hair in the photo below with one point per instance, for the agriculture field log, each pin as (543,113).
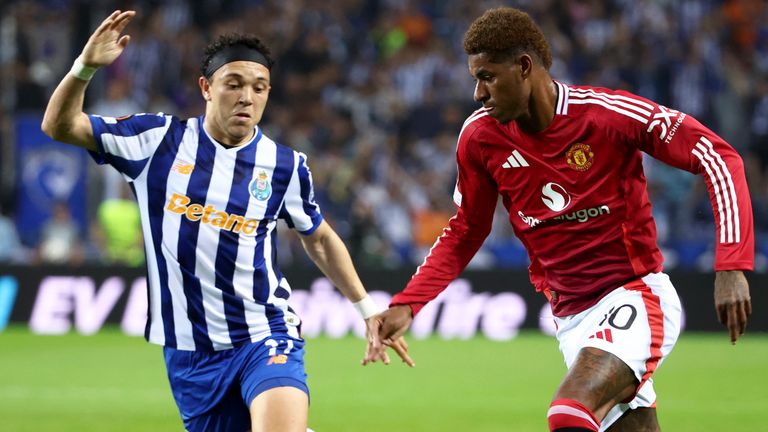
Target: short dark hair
(505,32)
(233,39)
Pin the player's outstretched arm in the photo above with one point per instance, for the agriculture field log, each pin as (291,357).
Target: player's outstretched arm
(732,301)
(386,330)
(332,258)
(64,119)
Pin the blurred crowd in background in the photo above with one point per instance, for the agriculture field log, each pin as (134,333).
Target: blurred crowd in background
(375,92)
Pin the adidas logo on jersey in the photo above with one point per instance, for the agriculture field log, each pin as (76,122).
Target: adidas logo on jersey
(605,335)
(515,160)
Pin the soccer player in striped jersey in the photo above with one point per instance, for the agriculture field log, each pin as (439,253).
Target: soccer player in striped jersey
(211,190)
(567,163)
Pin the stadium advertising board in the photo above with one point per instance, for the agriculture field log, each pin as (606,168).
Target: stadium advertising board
(493,304)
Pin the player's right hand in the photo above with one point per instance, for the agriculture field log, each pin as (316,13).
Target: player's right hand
(106,44)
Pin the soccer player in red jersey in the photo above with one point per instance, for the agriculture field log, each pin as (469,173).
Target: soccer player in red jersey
(567,162)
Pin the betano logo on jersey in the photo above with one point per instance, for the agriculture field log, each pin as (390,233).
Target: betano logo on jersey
(209,215)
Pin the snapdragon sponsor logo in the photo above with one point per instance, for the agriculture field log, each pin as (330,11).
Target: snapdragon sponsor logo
(555,197)
(180,204)
(530,220)
(580,216)
(584,215)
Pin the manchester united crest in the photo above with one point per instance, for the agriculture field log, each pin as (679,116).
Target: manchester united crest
(580,157)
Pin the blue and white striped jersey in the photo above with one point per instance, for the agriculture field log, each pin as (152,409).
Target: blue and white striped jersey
(209,215)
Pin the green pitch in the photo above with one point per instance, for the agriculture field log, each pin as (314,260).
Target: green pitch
(115,383)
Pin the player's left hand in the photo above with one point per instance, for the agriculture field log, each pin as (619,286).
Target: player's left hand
(732,301)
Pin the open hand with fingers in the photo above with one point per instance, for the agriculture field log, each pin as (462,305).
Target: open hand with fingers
(386,330)
(106,44)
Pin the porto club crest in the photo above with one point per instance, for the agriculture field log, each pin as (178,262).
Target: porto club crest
(580,157)
(260,187)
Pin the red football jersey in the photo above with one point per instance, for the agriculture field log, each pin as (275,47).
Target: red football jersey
(577,199)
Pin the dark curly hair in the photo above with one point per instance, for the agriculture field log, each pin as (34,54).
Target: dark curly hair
(233,39)
(505,32)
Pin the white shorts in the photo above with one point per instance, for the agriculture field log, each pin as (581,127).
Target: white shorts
(638,323)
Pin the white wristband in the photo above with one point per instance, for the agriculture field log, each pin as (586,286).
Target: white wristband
(81,71)
(367,307)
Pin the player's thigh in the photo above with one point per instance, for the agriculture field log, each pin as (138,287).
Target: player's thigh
(599,380)
(619,342)
(274,384)
(229,415)
(206,392)
(280,409)
(637,420)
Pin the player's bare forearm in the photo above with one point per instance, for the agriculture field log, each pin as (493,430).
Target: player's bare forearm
(64,119)
(329,253)
(732,301)
(332,258)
